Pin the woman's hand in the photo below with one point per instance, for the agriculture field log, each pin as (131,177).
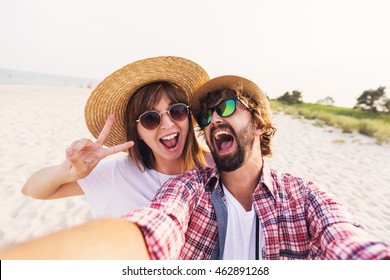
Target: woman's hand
(83,155)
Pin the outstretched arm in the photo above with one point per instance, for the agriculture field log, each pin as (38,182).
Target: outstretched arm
(335,234)
(81,158)
(100,239)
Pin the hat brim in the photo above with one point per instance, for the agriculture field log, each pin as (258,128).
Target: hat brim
(113,93)
(240,84)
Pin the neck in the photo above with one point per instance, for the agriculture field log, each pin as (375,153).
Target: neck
(242,182)
(169,167)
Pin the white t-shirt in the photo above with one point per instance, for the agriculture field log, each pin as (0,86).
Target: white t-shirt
(240,242)
(117,186)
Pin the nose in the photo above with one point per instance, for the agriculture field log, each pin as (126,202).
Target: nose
(215,118)
(166,121)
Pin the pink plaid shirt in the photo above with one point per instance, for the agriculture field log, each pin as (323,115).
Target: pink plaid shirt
(299,220)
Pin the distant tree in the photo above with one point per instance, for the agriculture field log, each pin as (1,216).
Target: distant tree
(328,101)
(374,100)
(297,96)
(387,105)
(285,98)
(291,98)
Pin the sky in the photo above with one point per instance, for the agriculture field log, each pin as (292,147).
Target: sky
(336,48)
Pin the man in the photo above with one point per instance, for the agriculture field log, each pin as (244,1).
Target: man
(239,210)
(242,209)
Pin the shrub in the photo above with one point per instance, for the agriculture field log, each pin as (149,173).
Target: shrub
(291,98)
(374,100)
(327,101)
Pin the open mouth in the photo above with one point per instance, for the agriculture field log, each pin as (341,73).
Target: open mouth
(170,141)
(223,140)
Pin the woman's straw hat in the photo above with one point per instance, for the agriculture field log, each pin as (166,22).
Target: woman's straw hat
(114,92)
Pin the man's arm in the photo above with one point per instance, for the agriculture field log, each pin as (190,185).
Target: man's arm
(335,232)
(100,239)
(164,223)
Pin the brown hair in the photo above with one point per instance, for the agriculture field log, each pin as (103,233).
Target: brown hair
(261,113)
(144,99)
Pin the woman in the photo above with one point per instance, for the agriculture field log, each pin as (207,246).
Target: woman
(142,107)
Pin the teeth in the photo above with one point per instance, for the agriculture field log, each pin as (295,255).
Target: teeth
(169,137)
(220,133)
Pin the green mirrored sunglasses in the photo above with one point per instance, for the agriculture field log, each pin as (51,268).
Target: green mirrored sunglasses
(225,108)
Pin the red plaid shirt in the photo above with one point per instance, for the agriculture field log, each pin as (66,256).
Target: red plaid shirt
(299,220)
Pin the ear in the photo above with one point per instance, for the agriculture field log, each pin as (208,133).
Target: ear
(138,135)
(259,128)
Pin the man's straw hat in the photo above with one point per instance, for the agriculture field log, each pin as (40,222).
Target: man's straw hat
(114,92)
(243,85)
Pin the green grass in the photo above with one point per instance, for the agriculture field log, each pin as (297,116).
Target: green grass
(372,124)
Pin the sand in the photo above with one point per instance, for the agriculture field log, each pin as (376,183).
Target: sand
(39,123)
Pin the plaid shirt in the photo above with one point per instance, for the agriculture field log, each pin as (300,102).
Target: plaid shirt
(187,220)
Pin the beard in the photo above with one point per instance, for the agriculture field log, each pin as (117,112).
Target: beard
(235,160)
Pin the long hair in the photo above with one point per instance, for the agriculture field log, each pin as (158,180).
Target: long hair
(144,99)
(261,113)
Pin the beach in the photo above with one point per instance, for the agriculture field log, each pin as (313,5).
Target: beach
(39,122)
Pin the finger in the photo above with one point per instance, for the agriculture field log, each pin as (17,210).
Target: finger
(73,144)
(106,129)
(81,144)
(76,161)
(118,148)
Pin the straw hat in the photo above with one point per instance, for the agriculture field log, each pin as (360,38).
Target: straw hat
(245,86)
(114,92)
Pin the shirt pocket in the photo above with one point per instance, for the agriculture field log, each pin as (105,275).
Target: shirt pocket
(293,231)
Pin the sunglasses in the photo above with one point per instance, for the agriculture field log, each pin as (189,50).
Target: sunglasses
(224,108)
(152,119)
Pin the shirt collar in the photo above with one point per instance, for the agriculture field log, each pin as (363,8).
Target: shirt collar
(266,180)
(212,181)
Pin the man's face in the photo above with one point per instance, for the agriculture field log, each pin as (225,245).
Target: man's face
(231,139)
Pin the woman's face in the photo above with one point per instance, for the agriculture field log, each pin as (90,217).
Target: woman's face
(166,141)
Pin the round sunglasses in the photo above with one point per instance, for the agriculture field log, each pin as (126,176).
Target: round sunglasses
(225,108)
(152,119)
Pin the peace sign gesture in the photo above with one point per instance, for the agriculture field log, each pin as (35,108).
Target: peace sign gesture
(83,155)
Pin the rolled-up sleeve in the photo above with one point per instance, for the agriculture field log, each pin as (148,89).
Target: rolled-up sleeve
(165,221)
